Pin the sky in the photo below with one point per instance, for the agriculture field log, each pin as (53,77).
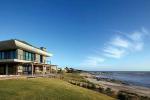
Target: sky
(99,35)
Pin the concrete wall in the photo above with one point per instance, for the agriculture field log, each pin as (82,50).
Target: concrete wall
(19,69)
(19,54)
(37,56)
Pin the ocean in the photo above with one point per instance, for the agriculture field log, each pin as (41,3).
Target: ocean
(139,78)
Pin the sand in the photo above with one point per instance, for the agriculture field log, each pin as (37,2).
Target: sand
(140,90)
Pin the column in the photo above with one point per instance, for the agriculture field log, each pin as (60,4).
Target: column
(49,69)
(56,69)
(32,69)
(43,70)
(6,71)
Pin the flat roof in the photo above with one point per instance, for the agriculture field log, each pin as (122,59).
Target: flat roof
(19,44)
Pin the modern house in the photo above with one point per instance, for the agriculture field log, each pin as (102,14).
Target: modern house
(21,58)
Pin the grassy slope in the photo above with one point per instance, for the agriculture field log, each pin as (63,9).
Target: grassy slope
(74,76)
(45,89)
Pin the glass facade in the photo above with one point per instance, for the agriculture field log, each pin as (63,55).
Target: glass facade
(12,54)
(28,56)
(9,54)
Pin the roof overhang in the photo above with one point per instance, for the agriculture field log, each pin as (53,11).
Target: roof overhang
(15,44)
(31,48)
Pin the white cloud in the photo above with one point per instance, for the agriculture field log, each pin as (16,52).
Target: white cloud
(136,36)
(118,46)
(114,52)
(93,61)
(120,42)
(137,39)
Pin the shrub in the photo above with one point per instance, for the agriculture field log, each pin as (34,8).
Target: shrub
(78,84)
(144,98)
(122,96)
(108,90)
(89,86)
(93,86)
(73,82)
(84,85)
(101,89)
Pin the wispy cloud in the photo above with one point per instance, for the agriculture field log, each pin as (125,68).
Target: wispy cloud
(114,52)
(93,61)
(118,46)
(123,44)
(120,42)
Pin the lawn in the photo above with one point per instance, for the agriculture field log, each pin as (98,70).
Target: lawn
(45,89)
(73,76)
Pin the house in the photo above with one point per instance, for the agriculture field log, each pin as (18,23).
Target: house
(21,58)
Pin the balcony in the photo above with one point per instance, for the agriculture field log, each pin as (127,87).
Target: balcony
(21,58)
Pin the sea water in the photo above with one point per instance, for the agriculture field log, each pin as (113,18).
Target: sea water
(140,78)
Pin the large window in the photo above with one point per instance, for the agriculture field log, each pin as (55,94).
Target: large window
(41,58)
(28,56)
(12,54)
(9,54)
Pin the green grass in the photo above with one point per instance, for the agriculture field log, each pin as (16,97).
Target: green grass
(45,89)
(73,76)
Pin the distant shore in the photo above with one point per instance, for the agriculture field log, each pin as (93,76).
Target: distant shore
(117,86)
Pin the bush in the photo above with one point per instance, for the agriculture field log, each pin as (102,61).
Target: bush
(122,96)
(101,89)
(73,82)
(78,84)
(84,85)
(108,91)
(93,86)
(144,98)
(89,86)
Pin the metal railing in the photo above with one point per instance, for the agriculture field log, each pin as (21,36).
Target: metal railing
(22,57)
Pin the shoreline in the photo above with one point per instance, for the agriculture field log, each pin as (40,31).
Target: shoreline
(140,90)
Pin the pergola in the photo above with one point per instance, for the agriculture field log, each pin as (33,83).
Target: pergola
(45,67)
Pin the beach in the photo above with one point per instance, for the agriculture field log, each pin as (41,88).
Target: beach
(140,90)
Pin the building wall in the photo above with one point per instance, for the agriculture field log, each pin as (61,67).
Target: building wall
(43,57)
(19,69)
(37,56)
(19,54)
(15,67)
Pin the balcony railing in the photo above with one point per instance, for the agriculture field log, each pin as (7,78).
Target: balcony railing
(21,57)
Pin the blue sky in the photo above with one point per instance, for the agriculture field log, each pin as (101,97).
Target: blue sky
(85,34)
